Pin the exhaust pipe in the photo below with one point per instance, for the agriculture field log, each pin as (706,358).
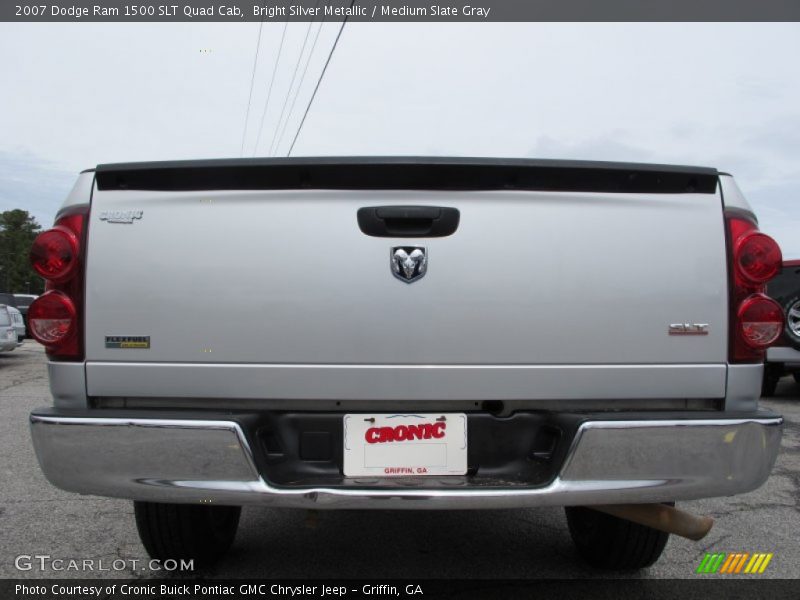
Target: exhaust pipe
(662,517)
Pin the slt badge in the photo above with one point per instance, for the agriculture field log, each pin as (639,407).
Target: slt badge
(409,263)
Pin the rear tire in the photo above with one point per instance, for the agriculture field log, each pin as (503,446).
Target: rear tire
(186,531)
(769,385)
(609,542)
(792,329)
(772,375)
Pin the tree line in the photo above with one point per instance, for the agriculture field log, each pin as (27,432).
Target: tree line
(18,228)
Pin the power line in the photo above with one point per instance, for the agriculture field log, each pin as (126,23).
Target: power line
(299,85)
(291,84)
(252,83)
(319,81)
(269,92)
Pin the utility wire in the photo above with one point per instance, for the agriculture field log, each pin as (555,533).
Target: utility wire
(299,85)
(319,81)
(291,84)
(252,83)
(269,92)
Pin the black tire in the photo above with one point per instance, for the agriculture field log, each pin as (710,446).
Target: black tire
(768,386)
(186,531)
(769,382)
(609,542)
(796,377)
(793,304)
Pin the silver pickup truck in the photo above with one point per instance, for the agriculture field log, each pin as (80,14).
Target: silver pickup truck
(406,333)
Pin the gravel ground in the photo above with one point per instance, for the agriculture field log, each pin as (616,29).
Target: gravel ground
(36,518)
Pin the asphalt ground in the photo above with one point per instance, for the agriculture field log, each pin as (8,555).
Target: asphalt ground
(38,519)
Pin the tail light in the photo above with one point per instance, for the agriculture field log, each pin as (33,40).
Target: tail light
(760,321)
(52,318)
(54,254)
(758,257)
(57,255)
(756,319)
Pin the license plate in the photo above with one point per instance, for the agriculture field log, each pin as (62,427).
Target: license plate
(405,445)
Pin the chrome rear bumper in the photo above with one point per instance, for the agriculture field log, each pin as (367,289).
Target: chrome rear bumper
(609,462)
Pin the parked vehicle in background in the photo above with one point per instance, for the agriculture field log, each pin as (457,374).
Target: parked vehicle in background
(8,299)
(19,323)
(8,333)
(783,358)
(406,333)
(23,302)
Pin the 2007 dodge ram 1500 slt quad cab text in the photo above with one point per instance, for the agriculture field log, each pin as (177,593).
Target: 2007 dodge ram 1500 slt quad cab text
(406,333)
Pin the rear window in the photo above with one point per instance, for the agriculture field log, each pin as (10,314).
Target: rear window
(5,318)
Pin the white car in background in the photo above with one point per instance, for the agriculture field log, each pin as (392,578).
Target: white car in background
(8,333)
(18,322)
(23,301)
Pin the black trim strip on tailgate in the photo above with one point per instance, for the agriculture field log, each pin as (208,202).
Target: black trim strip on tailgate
(406,173)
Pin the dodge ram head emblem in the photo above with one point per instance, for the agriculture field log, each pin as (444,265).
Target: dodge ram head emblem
(409,263)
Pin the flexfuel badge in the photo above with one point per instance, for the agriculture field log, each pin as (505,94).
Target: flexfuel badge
(127,341)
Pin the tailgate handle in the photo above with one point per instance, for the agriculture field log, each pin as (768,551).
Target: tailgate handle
(408,221)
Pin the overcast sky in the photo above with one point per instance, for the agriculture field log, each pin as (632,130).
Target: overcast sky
(720,95)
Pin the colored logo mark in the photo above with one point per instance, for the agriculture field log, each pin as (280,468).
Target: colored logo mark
(734,562)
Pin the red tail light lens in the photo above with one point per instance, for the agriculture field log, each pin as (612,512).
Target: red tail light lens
(760,321)
(57,255)
(758,257)
(756,321)
(52,318)
(54,254)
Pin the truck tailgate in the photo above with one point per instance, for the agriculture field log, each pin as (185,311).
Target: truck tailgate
(531,285)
